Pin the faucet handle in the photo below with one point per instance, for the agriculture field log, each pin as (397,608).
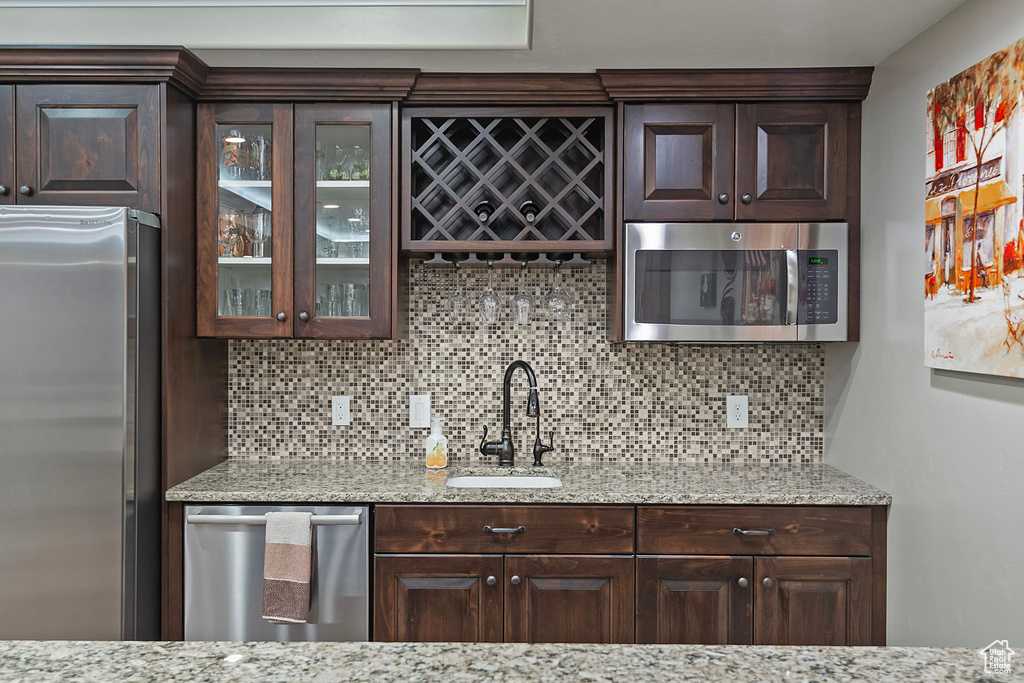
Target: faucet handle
(539,448)
(487,447)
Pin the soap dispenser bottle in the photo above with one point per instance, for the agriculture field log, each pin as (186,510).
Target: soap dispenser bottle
(437,446)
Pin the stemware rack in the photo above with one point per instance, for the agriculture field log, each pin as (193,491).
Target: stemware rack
(557,159)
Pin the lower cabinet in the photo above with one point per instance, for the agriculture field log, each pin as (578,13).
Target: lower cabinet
(513,598)
(754,600)
(702,574)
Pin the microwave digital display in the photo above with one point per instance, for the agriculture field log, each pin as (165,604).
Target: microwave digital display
(817,261)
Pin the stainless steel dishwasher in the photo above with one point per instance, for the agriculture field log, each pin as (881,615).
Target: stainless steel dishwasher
(224,574)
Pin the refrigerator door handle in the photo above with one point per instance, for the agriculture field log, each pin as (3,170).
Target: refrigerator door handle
(260,520)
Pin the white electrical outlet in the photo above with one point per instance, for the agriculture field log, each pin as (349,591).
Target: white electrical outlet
(735,411)
(340,416)
(419,411)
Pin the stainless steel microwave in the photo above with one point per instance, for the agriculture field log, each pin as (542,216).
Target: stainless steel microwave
(736,282)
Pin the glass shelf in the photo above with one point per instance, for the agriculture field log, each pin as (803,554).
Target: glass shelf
(244,261)
(343,261)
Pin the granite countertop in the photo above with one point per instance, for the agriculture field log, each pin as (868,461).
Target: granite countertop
(39,661)
(630,483)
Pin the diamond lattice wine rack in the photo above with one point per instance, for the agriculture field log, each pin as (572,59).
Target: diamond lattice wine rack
(473,182)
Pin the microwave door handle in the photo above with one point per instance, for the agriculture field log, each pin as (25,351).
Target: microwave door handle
(792,286)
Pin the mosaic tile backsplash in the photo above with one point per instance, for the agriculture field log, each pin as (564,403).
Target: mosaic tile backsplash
(603,401)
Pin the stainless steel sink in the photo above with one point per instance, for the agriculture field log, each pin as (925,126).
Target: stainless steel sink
(504,482)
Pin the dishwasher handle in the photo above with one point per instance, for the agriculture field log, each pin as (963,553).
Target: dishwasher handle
(260,520)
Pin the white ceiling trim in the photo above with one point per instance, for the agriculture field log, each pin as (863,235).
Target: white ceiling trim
(31,4)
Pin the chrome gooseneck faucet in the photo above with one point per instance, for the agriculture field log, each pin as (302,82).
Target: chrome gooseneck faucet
(504,449)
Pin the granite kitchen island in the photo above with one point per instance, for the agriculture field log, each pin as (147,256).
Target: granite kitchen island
(43,661)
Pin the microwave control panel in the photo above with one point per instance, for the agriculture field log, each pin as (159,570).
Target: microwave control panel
(819,290)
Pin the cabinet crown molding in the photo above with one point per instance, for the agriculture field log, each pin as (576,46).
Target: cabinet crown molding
(508,88)
(176,65)
(708,85)
(255,84)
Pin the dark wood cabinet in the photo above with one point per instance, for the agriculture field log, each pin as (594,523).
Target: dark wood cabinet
(753,162)
(438,598)
(760,600)
(317,178)
(706,600)
(88,144)
(791,161)
(568,599)
(7,188)
(537,597)
(812,601)
(767,575)
(679,161)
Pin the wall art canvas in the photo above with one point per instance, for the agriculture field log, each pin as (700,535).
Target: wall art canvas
(974,236)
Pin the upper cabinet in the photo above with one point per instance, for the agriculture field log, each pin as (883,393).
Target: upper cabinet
(294,221)
(507,179)
(780,161)
(80,144)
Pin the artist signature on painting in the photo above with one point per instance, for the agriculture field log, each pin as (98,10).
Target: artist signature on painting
(938,353)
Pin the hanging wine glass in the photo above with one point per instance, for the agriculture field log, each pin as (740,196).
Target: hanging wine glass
(457,303)
(557,302)
(489,303)
(522,302)
(257,230)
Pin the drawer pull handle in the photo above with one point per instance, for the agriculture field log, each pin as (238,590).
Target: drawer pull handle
(753,532)
(743,582)
(501,530)
(491,580)
(516,580)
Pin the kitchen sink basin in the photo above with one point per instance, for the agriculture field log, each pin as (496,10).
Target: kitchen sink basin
(504,482)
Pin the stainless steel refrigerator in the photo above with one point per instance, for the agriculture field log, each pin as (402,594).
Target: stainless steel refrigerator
(79,423)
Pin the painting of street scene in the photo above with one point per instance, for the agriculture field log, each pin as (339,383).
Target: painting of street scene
(974,234)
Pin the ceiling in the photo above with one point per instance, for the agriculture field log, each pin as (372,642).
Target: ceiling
(583,35)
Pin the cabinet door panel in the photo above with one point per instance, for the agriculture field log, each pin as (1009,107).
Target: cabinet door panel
(813,601)
(9,191)
(791,161)
(678,162)
(694,599)
(344,248)
(568,599)
(89,144)
(437,598)
(235,270)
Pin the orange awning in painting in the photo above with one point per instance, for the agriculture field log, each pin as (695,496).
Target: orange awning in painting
(932,210)
(990,196)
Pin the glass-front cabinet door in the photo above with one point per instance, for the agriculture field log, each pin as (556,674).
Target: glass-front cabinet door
(343,241)
(245,246)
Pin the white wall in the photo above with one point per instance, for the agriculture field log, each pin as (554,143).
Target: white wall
(949,446)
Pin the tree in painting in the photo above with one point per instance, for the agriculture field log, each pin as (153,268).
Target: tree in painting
(987,94)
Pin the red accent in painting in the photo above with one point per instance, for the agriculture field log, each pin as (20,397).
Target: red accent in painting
(979,116)
(1001,112)
(961,140)
(938,148)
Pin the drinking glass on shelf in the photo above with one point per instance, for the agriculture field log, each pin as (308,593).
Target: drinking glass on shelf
(335,300)
(228,231)
(259,158)
(360,165)
(557,302)
(522,302)
(341,165)
(257,230)
(489,303)
(262,302)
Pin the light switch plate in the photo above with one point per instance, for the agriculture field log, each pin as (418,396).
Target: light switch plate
(340,416)
(419,411)
(736,413)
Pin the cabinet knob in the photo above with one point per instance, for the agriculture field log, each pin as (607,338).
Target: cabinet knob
(3,190)
(743,582)
(516,580)
(303,316)
(25,190)
(746,198)
(491,580)
(767,582)
(723,198)
(281,316)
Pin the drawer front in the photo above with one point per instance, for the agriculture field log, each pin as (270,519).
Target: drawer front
(546,529)
(707,529)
